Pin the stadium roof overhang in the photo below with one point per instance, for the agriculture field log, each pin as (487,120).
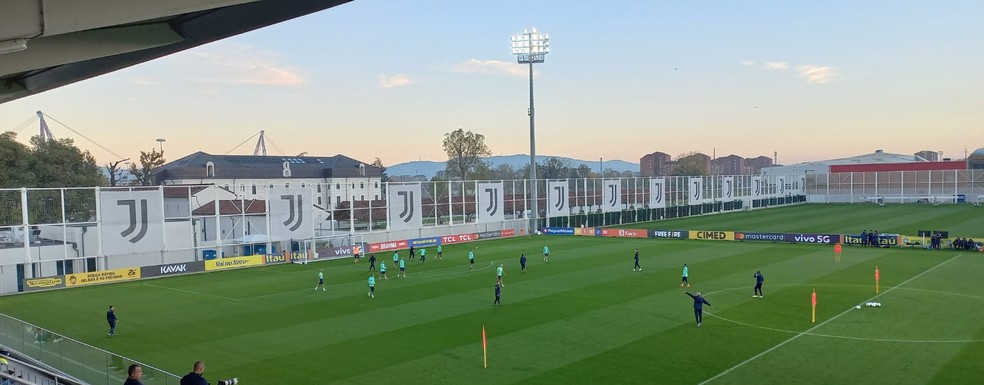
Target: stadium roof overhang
(45,44)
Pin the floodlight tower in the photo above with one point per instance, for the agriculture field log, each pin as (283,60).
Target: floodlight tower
(531,47)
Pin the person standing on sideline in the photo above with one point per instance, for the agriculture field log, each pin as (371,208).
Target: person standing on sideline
(403,268)
(685,275)
(382,270)
(471,259)
(423,255)
(758,285)
(321,281)
(439,255)
(699,303)
(372,262)
(546,253)
(133,375)
(637,267)
(498,292)
(195,377)
(111,318)
(372,286)
(522,262)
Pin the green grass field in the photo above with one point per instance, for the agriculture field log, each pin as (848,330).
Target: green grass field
(583,318)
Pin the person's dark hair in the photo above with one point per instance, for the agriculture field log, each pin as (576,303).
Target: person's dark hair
(133,368)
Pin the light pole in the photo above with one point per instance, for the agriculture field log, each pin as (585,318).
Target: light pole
(161,141)
(531,47)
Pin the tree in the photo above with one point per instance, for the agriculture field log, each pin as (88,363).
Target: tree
(115,172)
(58,163)
(465,150)
(14,162)
(691,164)
(378,163)
(143,174)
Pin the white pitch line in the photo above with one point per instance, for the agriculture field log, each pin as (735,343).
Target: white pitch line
(191,292)
(810,330)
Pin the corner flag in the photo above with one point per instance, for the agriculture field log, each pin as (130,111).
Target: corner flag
(813,300)
(485,355)
(877,278)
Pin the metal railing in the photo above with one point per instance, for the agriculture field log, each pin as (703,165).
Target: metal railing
(85,362)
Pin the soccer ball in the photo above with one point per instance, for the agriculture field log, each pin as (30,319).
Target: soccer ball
(857,307)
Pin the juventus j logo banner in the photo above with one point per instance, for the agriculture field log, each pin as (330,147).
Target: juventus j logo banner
(695,191)
(490,202)
(728,188)
(782,186)
(756,186)
(557,199)
(611,200)
(657,193)
(291,213)
(404,206)
(132,221)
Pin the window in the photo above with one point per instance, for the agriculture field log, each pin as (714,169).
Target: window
(362,185)
(286,171)
(319,187)
(377,184)
(319,201)
(338,198)
(303,185)
(362,169)
(210,170)
(376,197)
(329,199)
(362,197)
(242,188)
(287,185)
(254,189)
(353,184)
(338,186)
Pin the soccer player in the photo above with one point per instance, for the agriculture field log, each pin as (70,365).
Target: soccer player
(111,318)
(471,259)
(355,253)
(637,267)
(498,292)
(403,268)
(372,286)
(522,262)
(382,270)
(412,254)
(758,285)
(396,258)
(685,274)
(423,255)
(321,281)
(372,262)
(439,255)
(498,273)
(699,303)
(546,253)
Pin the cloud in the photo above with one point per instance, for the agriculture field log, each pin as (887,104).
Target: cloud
(394,81)
(747,63)
(815,74)
(146,82)
(776,65)
(242,64)
(495,67)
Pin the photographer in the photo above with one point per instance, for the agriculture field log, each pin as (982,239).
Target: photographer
(195,377)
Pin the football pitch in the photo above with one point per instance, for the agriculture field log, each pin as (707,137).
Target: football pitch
(584,317)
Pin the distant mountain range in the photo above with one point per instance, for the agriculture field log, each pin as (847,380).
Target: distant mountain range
(430,168)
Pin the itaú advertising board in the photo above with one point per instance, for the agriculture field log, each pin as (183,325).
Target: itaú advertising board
(625,233)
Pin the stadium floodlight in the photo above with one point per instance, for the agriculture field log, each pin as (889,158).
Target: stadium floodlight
(531,47)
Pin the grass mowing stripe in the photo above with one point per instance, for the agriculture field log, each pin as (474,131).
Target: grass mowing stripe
(753,358)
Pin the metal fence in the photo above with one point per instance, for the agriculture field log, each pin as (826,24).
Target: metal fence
(930,186)
(79,360)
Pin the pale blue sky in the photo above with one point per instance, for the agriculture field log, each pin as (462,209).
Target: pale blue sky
(387,79)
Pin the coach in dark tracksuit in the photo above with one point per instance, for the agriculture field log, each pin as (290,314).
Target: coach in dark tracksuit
(698,306)
(758,285)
